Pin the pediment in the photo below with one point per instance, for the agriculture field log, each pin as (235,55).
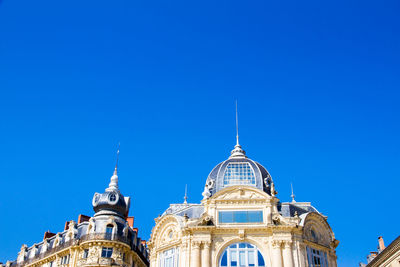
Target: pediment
(317,230)
(240,193)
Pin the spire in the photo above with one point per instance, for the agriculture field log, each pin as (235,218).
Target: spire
(292,195)
(237,126)
(113,186)
(237,151)
(185,197)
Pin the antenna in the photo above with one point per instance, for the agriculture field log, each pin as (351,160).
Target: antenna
(185,198)
(237,124)
(292,195)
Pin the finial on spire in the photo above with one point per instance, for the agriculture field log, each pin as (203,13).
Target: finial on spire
(237,151)
(113,186)
(185,197)
(116,162)
(292,195)
(237,125)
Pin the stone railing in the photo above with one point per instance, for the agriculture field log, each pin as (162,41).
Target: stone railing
(105,236)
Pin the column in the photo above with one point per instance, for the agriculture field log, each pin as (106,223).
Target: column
(153,260)
(195,259)
(276,254)
(182,254)
(205,255)
(304,256)
(287,254)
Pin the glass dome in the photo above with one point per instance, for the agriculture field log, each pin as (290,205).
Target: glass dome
(237,170)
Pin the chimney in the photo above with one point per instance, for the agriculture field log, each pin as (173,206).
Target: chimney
(48,234)
(371,256)
(381,244)
(83,218)
(130,221)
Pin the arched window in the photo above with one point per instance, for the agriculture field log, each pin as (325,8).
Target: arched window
(109,229)
(169,258)
(238,173)
(242,255)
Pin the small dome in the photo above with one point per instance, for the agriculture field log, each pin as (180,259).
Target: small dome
(110,203)
(237,170)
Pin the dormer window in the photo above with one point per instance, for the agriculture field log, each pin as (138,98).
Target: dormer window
(239,173)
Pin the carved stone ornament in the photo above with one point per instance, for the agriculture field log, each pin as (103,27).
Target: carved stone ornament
(206,220)
(241,234)
(276,219)
(276,243)
(207,189)
(316,232)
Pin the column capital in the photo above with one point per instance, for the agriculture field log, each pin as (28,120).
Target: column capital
(276,243)
(287,244)
(206,244)
(196,244)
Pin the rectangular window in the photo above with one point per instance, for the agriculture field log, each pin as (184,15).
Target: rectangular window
(85,253)
(245,216)
(106,252)
(169,258)
(64,260)
(316,258)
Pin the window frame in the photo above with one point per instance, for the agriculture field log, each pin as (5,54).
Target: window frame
(174,257)
(260,212)
(241,248)
(226,180)
(313,254)
(108,227)
(85,253)
(105,251)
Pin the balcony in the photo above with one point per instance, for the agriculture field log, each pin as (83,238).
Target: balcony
(105,236)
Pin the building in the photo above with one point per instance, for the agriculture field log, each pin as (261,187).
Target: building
(385,256)
(241,222)
(106,239)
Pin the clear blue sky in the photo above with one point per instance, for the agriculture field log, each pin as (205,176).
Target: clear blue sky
(318,88)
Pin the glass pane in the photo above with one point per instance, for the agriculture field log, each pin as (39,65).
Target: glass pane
(224,261)
(255,216)
(225,216)
(242,258)
(251,258)
(242,255)
(260,259)
(109,229)
(240,216)
(233,258)
(239,173)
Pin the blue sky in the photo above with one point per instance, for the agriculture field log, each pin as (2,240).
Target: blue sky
(318,89)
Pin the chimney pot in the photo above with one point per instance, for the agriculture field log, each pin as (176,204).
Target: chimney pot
(381,243)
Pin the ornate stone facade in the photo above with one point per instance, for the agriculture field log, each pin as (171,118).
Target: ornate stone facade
(106,239)
(241,222)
